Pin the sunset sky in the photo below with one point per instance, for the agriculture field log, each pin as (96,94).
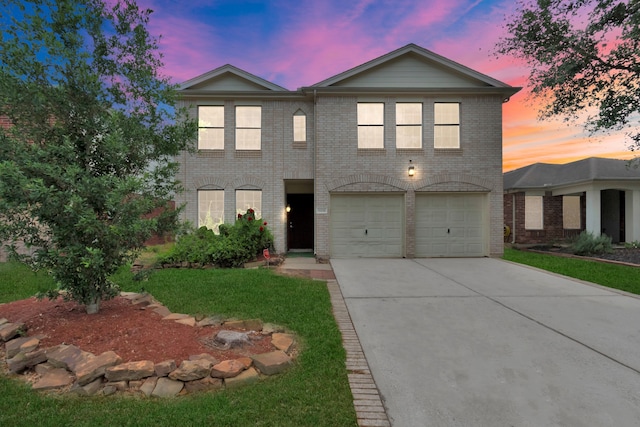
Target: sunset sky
(299,43)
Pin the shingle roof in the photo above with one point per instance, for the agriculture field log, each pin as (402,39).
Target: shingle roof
(544,175)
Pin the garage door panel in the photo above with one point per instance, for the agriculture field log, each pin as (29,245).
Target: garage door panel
(380,225)
(450,225)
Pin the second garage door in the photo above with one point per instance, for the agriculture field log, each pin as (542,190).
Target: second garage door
(367,225)
(451,225)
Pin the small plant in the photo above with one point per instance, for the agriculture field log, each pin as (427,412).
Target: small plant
(632,245)
(588,244)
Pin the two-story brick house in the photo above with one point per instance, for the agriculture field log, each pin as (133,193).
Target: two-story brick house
(398,157)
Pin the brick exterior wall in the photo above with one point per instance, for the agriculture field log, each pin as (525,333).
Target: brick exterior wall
(553,230)
(331,159)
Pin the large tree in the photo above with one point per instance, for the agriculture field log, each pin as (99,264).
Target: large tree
(89,152)
(584,57)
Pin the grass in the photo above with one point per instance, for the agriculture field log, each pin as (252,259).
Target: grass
(314,392)
(620,277)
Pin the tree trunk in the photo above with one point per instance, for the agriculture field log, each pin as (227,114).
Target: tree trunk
(94,306)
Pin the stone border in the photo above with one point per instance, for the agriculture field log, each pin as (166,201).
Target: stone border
(67,368)
(369,407)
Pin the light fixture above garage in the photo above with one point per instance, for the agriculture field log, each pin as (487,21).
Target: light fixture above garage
(288,208)
(412,169)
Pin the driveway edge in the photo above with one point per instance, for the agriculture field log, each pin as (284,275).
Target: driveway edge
(366,398)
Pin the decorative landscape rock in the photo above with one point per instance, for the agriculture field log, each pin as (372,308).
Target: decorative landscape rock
(191,370)
(10,330)
(272,363)
(56,378)
(232,339)
(69,368)
(227,369)
(130,371)
(166,387)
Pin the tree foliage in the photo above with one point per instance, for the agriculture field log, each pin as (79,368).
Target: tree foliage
(584,57)
(89,153)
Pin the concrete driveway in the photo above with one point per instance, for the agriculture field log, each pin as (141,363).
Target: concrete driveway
(483,342)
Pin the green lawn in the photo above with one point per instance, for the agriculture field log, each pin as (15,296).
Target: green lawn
(614,276)
(315,392)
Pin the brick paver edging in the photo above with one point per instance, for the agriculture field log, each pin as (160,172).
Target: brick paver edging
(366,398)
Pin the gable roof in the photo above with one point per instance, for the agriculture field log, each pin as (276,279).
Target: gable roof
(548,176)
(229,77)
(422,63)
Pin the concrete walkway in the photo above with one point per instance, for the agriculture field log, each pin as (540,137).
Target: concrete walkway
(483,342)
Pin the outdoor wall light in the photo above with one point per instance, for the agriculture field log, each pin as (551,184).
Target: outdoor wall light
(288,208)
(412,169)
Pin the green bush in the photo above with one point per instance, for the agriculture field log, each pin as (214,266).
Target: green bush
(235,245)
(587,244)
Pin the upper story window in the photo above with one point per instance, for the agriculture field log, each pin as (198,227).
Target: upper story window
(299,127)
(533,213)
(409,125)
(248,127)
(210,127)
(370,125)
(446,125)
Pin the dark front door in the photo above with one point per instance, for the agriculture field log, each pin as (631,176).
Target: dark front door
(300,221)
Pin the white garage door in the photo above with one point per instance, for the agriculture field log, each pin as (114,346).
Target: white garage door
(367,225)
(451,225)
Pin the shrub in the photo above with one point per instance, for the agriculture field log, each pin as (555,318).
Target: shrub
(587,244)
(235,245)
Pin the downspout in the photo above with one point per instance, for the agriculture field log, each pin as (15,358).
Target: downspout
(513,219)
(315,172)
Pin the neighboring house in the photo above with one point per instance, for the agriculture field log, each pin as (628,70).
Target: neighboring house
(398,157)
(545,203)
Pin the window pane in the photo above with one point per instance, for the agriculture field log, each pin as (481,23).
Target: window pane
(447,113)
(249,199)
(211,116)
(533,213)
(300,128)
(247,139)
(409,136)
(210,209)
(409,114)
(571,212)
(370,136)
(447,137)
(211,139)
(248,117)
(370,113)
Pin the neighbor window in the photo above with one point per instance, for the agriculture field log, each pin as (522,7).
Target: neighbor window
(408,125)
(211,127)
(210,209)
(249,199)
(446,125)
(571,212)
(533,213)
(371,125)
(248,127)
(299,127)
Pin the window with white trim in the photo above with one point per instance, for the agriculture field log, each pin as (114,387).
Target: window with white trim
(248,127)
(408,125)
(299,127)
(249,199)
(370,125)
(210,127)
(210,209)
(571,213)
(533,213)
(446,125)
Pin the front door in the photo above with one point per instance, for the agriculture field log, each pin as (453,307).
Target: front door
(300,221)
